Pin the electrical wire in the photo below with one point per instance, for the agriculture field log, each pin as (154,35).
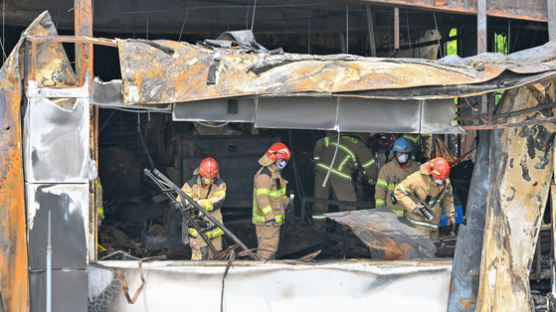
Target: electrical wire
(253,16)
(409,33)
(4,57)
(184,20)
(436,26)
(131,110)
(212,126)
(347,28)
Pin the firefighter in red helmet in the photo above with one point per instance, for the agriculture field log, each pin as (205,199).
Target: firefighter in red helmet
(431,184)
(209,191)
(269,199)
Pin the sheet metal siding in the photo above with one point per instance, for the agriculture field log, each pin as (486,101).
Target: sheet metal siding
(69,288)
(69,212)
(517,199)
(57,170)
(278,286)
(467,257)
(56,141)
(13,244)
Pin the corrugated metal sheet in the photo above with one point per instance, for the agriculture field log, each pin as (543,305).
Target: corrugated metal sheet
(168,71)
(387,235)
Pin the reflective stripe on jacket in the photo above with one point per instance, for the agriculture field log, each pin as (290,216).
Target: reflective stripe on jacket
(390,175)
(211,198)
(352,153)
(269,195)
(421,184)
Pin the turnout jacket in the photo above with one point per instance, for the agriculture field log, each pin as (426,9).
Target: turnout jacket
(352,153)
(421,184)
(390,175)
(269,193)
(211,198)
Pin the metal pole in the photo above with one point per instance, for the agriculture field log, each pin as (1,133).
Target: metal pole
(49,268)
(370,28)
(481,26)
(551,6)
(396,28)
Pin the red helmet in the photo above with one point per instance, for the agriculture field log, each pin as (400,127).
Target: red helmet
(208,168)
(278,150)
(439,168)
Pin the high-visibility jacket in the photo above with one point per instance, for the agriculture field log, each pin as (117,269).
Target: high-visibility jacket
(417,187)
(390,175)
(99,200)
(269,195)
(352,153)
(211,198)
(422,142)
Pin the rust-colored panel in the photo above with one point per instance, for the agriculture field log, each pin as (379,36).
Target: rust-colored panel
(13,244)
(13,247)
(517,199)
(155,72)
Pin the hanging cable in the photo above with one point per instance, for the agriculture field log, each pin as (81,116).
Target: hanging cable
(253,17)
(247,14)
(347,28)
(309,37)
(409,33)
(212,126)
(436,26)
(4,57)
(147,30)
(184,20)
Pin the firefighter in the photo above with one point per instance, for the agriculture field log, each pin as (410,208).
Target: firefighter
(269,199)
(420,143)
(430,185)
(343,158)
(209,191)
(393,173)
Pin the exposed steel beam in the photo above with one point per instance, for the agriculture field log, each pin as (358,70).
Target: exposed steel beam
(465,7)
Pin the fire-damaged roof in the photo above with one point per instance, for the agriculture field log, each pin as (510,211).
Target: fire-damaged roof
(234,79)
(165,71)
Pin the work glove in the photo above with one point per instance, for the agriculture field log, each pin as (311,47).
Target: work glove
(417,209)
(451,221)
(270,222)
(176,205)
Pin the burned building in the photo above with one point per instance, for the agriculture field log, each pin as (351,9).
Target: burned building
(107,107)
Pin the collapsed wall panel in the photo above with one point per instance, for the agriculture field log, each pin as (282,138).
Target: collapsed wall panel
(517,199)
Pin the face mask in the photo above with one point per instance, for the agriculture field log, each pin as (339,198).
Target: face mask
(206,181)
(403,158)
(438,181)
(281,163)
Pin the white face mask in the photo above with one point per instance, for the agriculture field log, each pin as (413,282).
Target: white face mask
(438,181)
(281,163)
(403,158)
(206,181)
